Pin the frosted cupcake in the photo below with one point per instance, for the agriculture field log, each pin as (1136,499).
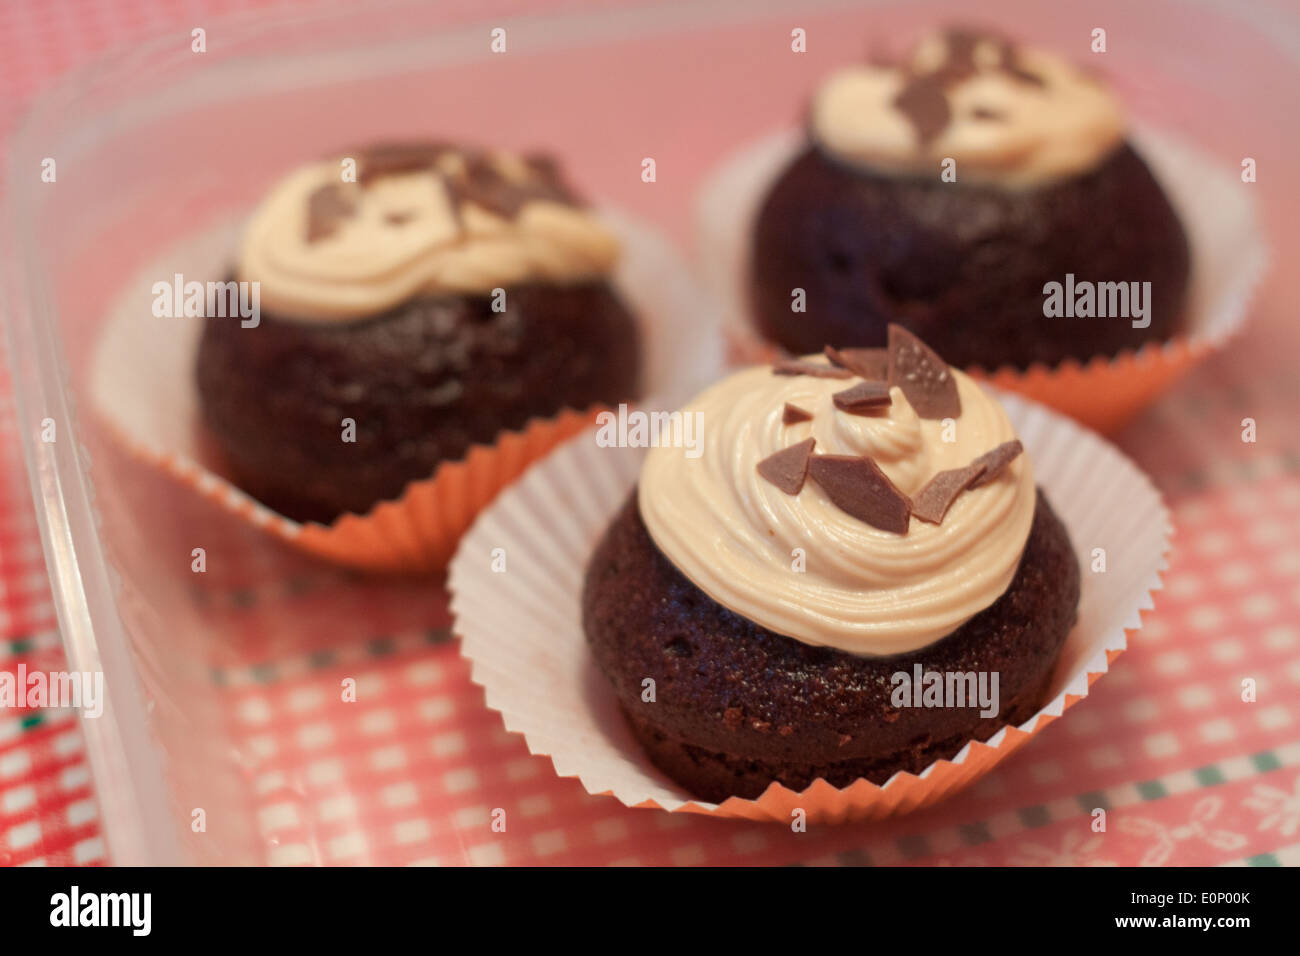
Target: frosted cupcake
(437,298)
(852,517)
(981,194)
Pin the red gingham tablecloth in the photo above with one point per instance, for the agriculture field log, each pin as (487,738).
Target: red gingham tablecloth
(1189,772)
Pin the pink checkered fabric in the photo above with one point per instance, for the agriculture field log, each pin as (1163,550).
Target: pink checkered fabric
(413,772)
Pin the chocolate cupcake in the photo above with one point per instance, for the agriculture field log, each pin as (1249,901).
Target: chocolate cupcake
(981,194)
(427,303)
(856,577)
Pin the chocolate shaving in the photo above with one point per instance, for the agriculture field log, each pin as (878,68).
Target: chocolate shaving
(924,377)
(793,414)
(865,363)
(995,462)
(478,178)
(483,184)
(788,468)
(1023,75)
(859,488)
(923,100)
(543,166)
(959,63)
(863,398)
(392,159)
(933,501)
(327,207)
(925,105)
(789,366)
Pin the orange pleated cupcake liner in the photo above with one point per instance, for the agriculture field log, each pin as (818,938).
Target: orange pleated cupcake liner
(415,533)
(1105,394)
(522,630)
(865,801)
(419,531)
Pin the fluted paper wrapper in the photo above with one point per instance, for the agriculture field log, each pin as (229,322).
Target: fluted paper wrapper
(143,390)
(1229,257)
(520,622)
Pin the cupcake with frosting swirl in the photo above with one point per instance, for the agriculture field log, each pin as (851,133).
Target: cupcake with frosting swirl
(955,191)
(432,295)
(855,576)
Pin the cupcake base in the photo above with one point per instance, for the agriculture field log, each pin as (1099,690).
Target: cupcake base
(717,776)
(422,384)
(963,266)
(738,706)
(522,632)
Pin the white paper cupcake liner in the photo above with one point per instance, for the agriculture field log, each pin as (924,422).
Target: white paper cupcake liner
(1229,257)
(521,627)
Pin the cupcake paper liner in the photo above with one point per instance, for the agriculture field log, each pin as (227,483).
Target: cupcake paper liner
(521,624)
(1229,257)
(142,389)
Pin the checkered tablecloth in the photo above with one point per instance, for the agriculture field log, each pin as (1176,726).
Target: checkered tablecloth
(1188,772)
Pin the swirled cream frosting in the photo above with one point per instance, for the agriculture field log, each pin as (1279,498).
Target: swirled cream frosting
(799,564)
(1006,114)
(335,242)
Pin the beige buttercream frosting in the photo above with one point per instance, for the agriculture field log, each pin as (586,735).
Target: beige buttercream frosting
(326,249)
(1012,115)
(862,590)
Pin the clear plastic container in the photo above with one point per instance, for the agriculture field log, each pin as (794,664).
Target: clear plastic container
(155,141)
